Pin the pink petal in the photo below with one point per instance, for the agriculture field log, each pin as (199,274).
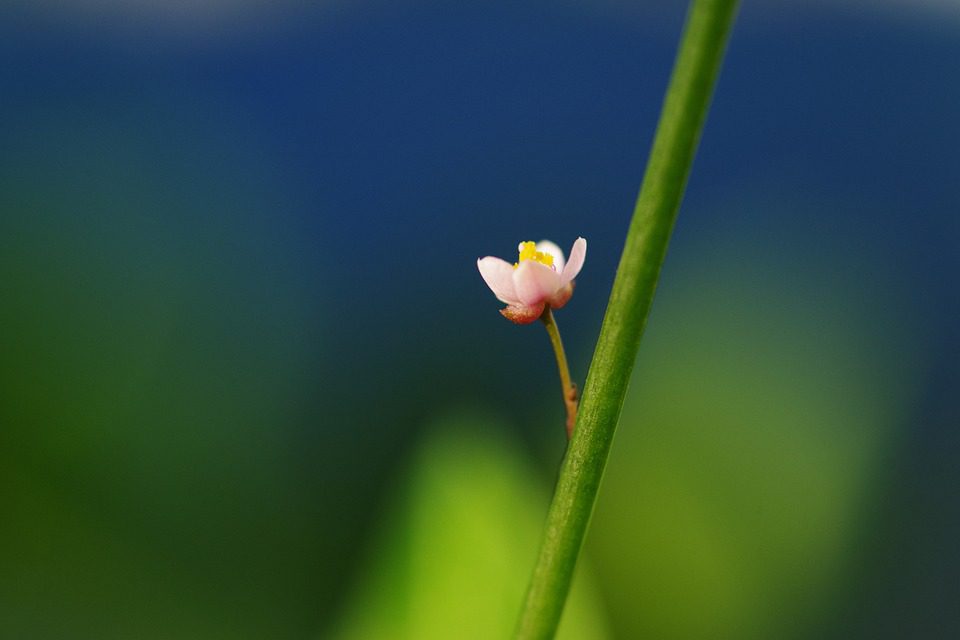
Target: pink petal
(534,282)
(498,274)
(578,253)
(562,296)
(520,314)
(545,246)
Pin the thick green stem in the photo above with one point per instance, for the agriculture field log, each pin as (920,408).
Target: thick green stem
(678,132)
(569,389)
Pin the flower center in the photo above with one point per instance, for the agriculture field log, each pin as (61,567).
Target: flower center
(528,251)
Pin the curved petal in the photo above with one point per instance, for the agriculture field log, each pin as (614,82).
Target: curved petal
(545,246)
(498,274)
(562,296)
(535,282)
(578,253)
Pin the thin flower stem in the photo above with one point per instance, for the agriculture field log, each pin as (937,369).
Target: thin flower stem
(678,132)
(569,389)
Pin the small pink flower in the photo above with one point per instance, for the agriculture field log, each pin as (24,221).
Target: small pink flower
(540,277)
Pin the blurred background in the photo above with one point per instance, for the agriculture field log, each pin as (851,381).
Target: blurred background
(252,385)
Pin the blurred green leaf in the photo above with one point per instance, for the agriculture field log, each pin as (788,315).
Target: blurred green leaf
(454,557)
(759,415)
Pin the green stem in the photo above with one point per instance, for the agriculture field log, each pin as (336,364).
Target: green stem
(569,389)
(678,132)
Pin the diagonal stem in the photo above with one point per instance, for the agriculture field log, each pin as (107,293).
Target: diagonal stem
(568,387)
(678,132)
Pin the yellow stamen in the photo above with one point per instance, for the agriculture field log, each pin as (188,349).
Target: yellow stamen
(528,251)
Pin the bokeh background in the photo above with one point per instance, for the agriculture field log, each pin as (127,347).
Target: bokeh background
(252,386)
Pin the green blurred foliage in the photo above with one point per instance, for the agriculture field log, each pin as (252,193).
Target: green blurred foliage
(152,371)
(453,558)
(741,474)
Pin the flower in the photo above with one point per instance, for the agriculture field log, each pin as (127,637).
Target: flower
(540,277)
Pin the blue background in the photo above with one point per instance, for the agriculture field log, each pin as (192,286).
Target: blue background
(237,255)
